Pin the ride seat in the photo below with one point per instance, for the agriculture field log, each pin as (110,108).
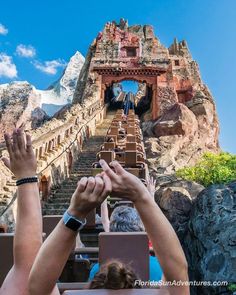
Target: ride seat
(131,159)
(3,228)
(6,254)
(107,156)
(75,270)
(109,146)
(113,131)
(128,247)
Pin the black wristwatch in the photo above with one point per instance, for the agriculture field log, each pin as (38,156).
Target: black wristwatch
(72,222)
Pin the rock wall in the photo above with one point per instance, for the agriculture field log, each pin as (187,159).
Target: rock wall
(180,136)
(85,81)
(20,106)
(210,238)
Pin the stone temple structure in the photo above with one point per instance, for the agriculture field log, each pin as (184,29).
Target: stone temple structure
(134,53)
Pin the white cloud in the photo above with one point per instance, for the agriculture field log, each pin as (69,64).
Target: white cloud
(7,67)
(3,30)
(49,67)
(25,50)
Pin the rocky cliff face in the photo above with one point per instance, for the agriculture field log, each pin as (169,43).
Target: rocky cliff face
(180,136)
(20,106)
(210,238)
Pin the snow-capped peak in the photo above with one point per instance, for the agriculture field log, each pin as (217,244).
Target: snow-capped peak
(61,92)
(66,84)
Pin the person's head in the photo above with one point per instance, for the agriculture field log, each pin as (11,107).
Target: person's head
(110,139)
(114,275)
(125,219)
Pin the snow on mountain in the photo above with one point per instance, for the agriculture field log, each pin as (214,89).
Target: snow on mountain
(55,97)
(61,92)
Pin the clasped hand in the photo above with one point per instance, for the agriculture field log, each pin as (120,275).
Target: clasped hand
(91,191)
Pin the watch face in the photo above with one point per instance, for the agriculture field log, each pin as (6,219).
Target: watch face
(73,224)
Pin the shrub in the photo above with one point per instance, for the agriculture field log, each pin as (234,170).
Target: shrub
(232,287)
(211,169)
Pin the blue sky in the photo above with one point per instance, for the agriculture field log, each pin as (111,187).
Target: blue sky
(56,29)
(129,86)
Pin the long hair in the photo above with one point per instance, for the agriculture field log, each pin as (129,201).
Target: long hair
(114,275)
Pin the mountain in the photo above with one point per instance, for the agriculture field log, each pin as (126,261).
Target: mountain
(61,92)
(22,104)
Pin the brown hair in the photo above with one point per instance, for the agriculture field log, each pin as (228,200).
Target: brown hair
(114,275)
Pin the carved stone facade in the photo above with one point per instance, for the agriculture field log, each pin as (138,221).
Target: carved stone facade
(134,53)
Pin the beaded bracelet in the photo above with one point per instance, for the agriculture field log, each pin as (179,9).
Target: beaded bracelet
(27,180)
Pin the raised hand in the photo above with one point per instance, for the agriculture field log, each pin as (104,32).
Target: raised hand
(124,184)
(151,185)
(22,161)
(90,193)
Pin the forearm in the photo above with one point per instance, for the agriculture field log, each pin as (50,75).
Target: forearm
(51,260)
(53,254)
(28,232)
(164,239)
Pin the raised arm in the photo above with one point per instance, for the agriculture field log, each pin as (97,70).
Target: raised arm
(28,231)
(165,242)
(55,251)
(151,186)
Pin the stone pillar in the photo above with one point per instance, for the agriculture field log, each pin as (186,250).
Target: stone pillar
(40,152)
(155,102)
(58,139)
(103,89)
(70,161)
(45,187)
(50,146)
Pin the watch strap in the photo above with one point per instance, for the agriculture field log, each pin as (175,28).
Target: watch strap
(72,222)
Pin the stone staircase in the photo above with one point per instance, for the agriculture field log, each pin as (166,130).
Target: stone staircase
(60,198)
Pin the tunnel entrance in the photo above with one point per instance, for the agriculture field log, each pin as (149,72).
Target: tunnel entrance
(129,94)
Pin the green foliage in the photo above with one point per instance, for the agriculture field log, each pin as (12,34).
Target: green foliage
(232,287)
(211,169)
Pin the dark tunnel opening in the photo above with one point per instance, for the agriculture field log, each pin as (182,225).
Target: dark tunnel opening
(129,94)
